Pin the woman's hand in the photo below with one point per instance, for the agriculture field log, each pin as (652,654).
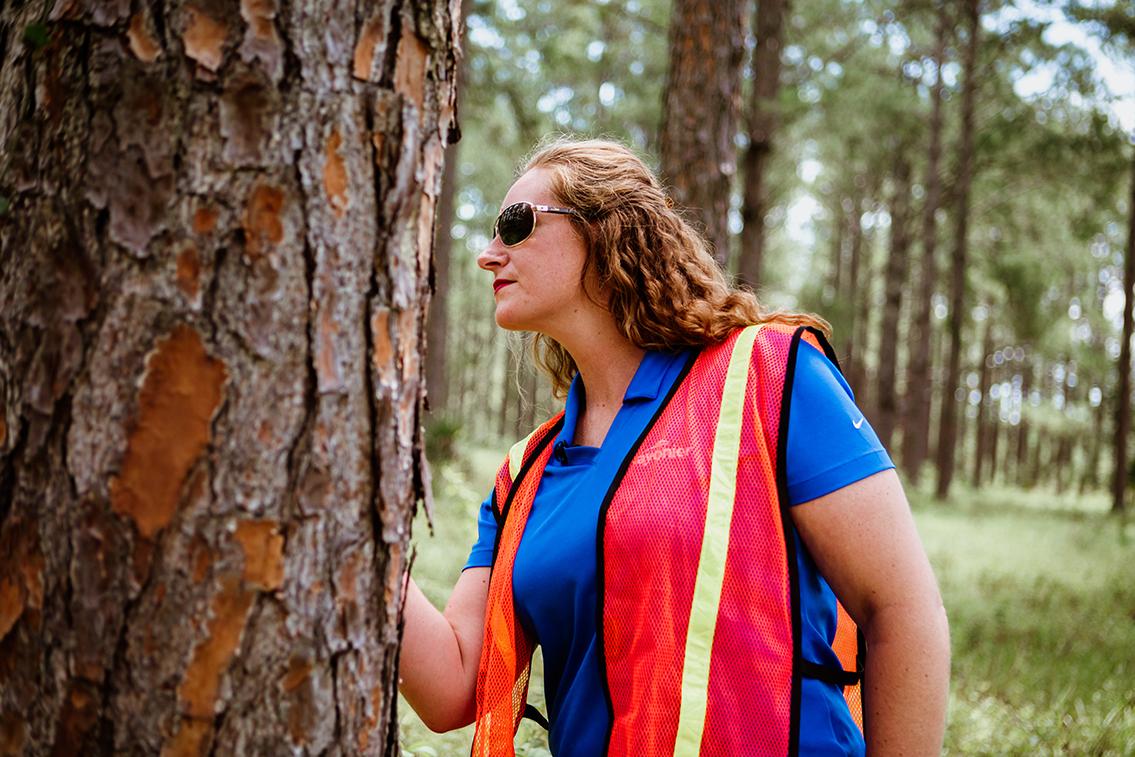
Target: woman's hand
(442,651)
(864,542)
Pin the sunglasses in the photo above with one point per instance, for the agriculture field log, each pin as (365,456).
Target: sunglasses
(517,222)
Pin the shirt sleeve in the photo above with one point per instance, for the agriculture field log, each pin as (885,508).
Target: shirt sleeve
(830,442)
(481,555)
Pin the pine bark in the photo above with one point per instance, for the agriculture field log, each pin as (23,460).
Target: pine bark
(886,404)
(762,124)
(213,291)
(700,107)
(1123,390)
(948,427)
(919,386)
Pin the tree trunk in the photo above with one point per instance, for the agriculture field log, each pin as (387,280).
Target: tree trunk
(886,403)
(947,435)
(211,314)
(863,295)
(699,111)
(1123,396)
(980,426)
(437,375)
(854,348)
(762,122)
(919,386)
(834,289)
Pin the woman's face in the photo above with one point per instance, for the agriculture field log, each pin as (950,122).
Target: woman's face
(536,283)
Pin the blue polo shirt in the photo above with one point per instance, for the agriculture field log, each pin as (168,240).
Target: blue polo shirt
(554,578)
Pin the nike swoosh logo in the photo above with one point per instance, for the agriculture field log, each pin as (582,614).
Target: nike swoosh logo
(859,422)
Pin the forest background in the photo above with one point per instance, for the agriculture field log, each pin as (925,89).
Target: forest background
(950,185)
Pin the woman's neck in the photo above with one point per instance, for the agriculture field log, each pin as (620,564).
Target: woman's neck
(607,362)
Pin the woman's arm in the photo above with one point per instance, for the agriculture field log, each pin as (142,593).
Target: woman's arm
(864,542)
(441,652)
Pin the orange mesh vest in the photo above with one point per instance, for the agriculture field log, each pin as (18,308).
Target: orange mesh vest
(699,628)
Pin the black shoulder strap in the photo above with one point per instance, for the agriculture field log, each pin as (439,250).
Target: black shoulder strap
(534,715)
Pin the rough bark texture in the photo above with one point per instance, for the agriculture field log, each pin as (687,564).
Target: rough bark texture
(762,122)
(1123,390)
(886,398)
(948,427)
(919,386)
(213,287)
(699,111)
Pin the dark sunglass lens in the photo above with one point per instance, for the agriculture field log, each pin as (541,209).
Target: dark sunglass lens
(514,224)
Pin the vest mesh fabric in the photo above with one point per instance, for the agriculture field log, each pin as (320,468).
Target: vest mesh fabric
(506,651)
(650,542)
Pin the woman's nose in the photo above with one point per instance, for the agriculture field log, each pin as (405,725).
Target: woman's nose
(492,256)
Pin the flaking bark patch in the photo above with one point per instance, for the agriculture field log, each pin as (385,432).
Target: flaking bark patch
(262,225)
(189,740)
(21,573)
(200,686)
(263,548)
(371,46)
(335,175)
(410,70)
(141,38)
(204,220)
(188,271)
(204,39)
(181,389)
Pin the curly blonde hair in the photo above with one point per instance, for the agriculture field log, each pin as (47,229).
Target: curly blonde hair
(665,289)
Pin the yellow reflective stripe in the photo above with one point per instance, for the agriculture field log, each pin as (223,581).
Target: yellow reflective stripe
(516,456)
(714,548)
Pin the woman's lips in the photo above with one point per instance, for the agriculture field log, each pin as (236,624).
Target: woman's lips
(500,284)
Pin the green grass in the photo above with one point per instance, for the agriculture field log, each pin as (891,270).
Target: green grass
(1039,588)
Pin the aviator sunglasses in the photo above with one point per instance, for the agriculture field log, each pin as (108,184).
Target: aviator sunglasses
(517,222)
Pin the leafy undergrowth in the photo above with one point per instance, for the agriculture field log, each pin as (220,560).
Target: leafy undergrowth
(1039,588)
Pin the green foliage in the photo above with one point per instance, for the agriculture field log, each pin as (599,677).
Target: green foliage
(35,35)
(1040,596)
(441,438)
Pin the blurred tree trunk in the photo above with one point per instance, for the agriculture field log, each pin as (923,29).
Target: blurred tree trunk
(1021,471)
(919,386)
(854,347)
(835,273)
(886,404)
(437,374)
(1094,443)
(863,292)
(504,430)
(699,111)
(211,313)
(437,382)
(947,436)
(981,425)
(762,122)
(1123,395)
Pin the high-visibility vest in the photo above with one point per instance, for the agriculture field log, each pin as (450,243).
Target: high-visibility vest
(699,629)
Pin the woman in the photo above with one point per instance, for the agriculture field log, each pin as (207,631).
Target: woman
(673,539)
